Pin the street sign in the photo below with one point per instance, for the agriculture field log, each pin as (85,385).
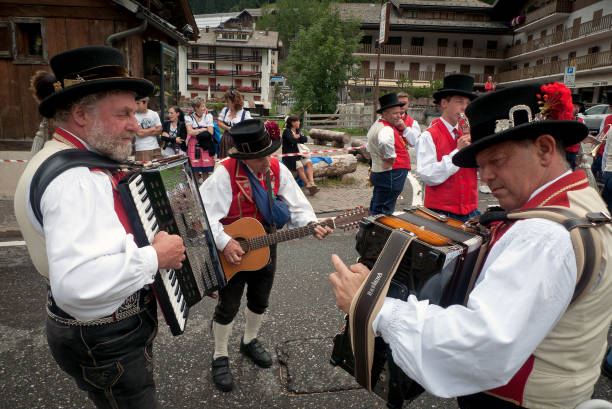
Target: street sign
(384,23)
(569,77)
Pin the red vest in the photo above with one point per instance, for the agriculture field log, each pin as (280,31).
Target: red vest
(553,195)
(408,121)
(243,204)
(459,193)
(402,160)
(114,176)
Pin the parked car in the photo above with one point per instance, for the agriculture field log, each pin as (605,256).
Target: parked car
(594,115)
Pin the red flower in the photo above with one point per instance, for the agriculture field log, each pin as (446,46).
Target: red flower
(273,130)
(556,102)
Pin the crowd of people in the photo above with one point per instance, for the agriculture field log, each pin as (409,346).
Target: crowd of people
(521,340)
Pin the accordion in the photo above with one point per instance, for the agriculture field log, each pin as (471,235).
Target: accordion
(165,197)
(421,253)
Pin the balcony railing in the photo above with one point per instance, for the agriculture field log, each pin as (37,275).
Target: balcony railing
(585,62)
(224,57)
(214,72)
(431,51)
(418,75)
(604,24)
(204,87)
(559,6)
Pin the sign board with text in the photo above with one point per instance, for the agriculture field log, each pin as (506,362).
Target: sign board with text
(569,77)
(384,23)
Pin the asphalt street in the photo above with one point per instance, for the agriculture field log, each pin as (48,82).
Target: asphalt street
(298,329)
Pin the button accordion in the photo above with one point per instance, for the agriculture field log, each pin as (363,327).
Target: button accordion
(165,197)
(438,260)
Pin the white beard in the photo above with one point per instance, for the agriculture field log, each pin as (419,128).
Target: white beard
(106,144)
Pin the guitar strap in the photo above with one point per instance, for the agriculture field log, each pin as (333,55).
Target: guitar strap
(368,301)
(270,199)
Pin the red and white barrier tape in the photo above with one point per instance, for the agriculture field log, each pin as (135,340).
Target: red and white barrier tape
(216,160)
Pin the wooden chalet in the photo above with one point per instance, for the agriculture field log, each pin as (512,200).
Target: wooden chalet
(153,35)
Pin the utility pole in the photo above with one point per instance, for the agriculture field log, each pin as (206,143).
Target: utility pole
(382,39)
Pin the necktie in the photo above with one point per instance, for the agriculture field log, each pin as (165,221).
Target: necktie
(455,133)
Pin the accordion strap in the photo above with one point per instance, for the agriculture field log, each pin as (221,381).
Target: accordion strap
(368,301)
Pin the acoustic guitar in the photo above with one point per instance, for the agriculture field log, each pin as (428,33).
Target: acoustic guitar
(251,235)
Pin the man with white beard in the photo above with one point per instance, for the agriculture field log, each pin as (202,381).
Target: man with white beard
(101,313)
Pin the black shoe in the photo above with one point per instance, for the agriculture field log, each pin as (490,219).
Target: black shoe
(256,351)
(221,374)
(606,368)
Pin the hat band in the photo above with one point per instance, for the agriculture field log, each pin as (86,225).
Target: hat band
(102,72)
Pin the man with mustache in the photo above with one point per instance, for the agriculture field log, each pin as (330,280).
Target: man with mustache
(522,340)
(101,312)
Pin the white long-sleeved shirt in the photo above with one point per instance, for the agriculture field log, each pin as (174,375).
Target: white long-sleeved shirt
(216,194)
(93,263)
(525,286)
(412,134)
(385,140)
(432,171)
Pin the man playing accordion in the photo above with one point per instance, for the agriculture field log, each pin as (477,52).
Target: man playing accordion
(521,339)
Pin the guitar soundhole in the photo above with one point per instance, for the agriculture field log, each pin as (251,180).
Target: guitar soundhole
(243,244)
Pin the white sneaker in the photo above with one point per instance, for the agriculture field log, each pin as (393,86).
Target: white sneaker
(484,189)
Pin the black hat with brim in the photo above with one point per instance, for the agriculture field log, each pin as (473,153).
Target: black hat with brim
(388,101)
(87,70)
(509,115)
(456,84)
(251,140)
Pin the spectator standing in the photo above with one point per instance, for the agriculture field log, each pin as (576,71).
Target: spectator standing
(229,116)
(146,145)
(449,190)
(174,133)
(200,141)
(292,137)
(490,85)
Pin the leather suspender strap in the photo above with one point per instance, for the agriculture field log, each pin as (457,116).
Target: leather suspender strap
(368,301)
(585,241)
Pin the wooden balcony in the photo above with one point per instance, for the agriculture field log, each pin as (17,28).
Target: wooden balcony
(431,51)
(223,57)
(559,6)
(585,29)
(418,75)
(585,62)
(204,87)
(220,73)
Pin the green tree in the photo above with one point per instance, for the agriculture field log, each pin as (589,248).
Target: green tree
(321,60)
(288,17)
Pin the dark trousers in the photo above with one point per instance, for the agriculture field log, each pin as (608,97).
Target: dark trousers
(388,186)
(606,192)
(596,167)
(258,283)
(484,401)
(113,363)
(460,217)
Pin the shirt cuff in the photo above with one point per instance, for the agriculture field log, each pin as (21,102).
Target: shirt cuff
(151,263)
(222,240)
(379,321)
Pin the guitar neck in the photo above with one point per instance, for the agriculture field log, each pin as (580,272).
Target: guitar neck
(285,235)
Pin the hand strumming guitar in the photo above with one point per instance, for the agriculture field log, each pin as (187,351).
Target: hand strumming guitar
(233,252)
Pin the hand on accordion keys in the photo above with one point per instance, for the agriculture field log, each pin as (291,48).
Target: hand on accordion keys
(346,281)
(170,250)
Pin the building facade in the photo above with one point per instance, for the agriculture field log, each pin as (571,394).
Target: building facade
(512,41)
(231,54)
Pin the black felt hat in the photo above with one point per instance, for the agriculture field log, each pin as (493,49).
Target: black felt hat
(88,70)
(514,114)
(251,140)
(456,84)
(388,101)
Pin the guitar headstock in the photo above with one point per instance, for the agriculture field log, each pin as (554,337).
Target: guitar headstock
(350,218)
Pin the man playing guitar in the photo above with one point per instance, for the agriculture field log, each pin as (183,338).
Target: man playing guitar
(250,155)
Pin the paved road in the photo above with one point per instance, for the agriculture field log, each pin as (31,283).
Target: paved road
(299,328)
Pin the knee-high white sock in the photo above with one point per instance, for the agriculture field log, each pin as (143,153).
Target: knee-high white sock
(221,334)
(251,327)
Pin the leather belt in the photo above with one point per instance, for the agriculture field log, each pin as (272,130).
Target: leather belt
(133,305)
